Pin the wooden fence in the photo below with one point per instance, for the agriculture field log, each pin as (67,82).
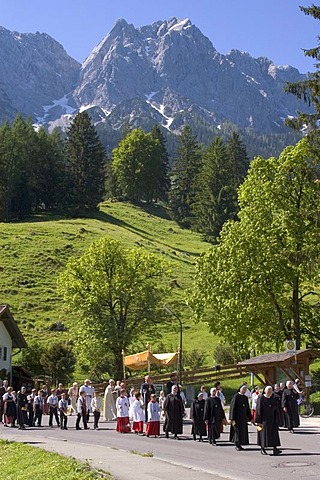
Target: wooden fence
(189,377)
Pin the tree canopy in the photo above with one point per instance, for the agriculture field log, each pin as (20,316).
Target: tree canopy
(256,286)
(113,294)
(139,166)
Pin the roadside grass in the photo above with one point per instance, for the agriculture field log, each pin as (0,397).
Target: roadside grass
(18,460)
(145,454)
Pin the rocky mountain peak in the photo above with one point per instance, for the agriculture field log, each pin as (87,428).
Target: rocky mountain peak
(168,72)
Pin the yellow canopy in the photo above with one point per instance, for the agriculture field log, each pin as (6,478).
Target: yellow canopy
(139,361)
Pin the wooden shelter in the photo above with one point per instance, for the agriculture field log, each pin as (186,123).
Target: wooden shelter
(291,365)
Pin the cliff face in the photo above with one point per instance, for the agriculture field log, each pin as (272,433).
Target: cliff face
(167,72)
(35,70)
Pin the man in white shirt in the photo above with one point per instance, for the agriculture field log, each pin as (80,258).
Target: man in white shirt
(53,408)
(88,389)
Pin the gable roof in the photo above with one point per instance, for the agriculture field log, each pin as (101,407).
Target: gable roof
(280,358)
(6,318)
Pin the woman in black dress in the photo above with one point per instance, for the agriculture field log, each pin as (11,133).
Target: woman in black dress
(197,417)
(267,420)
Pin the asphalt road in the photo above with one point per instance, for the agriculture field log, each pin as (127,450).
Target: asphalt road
(122,454)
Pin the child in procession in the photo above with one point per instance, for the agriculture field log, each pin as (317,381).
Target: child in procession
(153,425)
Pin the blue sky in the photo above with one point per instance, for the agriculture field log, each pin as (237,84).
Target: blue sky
(276,29)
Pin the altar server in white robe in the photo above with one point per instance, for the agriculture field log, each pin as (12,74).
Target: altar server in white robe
(122,406)
(153,425)
(138,414)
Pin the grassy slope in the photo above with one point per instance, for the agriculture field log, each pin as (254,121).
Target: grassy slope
(35,251)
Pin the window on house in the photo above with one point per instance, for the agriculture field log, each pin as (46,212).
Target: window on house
(5,353)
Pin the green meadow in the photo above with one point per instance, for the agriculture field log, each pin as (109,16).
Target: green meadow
(33,253)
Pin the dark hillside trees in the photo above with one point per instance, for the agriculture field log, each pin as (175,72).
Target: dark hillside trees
(86,161)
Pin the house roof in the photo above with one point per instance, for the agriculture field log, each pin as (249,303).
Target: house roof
(6,318)
(280,358)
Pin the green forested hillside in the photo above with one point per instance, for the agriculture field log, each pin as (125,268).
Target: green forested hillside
(35,251)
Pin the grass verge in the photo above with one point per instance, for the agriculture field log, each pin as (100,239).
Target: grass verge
(16,459)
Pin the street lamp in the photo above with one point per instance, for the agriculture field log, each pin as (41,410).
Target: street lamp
(168,310)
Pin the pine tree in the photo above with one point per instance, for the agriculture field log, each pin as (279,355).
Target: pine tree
(214,200)
(237,159)
(309,91)
(5,140)
(86,161)
(163,180)
(183,179)
(48,171)
(20,163)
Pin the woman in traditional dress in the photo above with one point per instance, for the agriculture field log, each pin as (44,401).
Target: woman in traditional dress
(9,407)
(73,396)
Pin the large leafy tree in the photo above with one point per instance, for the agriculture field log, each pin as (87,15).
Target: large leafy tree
(256,286)
(138,166)
(183,178)
(86,162)
(114,295)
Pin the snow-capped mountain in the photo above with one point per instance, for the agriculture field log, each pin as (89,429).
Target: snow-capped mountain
(35,70)
(167,72)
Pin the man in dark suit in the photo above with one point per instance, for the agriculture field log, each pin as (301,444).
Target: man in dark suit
(147,389)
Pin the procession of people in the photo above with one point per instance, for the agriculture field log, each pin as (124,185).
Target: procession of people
(141,411)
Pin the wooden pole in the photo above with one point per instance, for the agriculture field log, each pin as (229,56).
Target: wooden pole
(149,365)
(124,366)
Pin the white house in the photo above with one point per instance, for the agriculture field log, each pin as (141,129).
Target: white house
(10,337)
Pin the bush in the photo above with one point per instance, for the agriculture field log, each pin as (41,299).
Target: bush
(315,400)
(316,380)
(223,354)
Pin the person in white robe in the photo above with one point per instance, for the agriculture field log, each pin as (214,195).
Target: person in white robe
(138,414)
(110,395)
(73,396)
(122,406)
(153,425)
(132,399)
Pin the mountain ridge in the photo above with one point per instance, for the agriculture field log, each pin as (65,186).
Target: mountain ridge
(170,66)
